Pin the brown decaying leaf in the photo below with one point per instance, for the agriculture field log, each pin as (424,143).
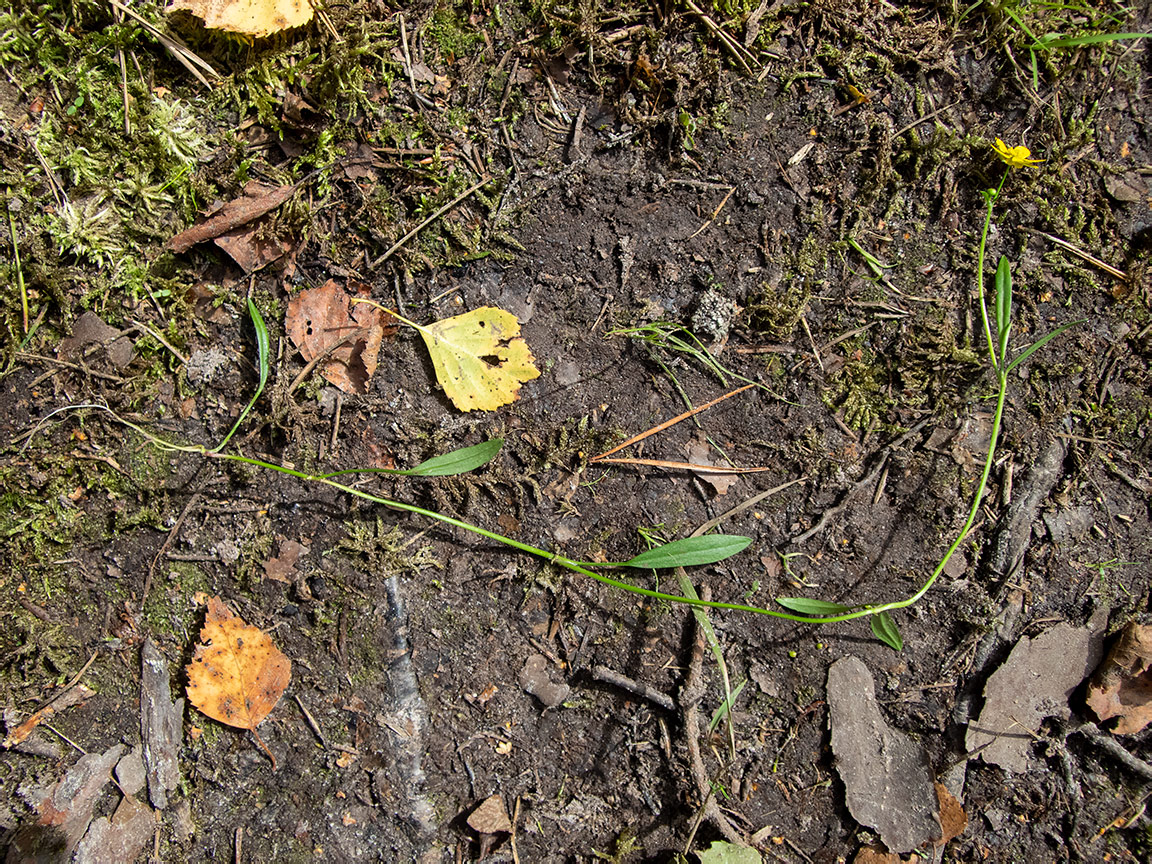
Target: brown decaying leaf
(256,200)
(953,819)
(251,17)
(237,674)
(319,319)
(1122,686)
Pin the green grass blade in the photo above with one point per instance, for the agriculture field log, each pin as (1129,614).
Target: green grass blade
(445,465)
(885,629)
(1040,343)
(805,606)
(725,707)
(690,552)
(1003,303)
(1054,40)
(459,461)
(262,354)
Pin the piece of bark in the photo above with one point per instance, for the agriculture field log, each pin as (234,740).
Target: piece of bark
(256,200)
(1122,686)
(535,681)
(119,839)
(65,812)
(160,726)
(887,780)
(1033,683)
(130,772)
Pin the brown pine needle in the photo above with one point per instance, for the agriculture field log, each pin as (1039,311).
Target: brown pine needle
(684,466)
(667,423)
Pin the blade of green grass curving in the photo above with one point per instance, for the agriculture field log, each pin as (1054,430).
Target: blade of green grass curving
(689,552)
(885,629)
(262,353)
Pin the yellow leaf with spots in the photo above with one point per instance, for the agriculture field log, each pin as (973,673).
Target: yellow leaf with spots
(237,675)
(480,358)
(255,18)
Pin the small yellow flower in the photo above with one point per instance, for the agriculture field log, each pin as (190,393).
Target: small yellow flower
(1015,157)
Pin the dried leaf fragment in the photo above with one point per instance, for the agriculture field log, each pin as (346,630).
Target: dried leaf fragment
(256,200)
(237,674)
(251,17)
(1122,686)
(319,320)
(480,358)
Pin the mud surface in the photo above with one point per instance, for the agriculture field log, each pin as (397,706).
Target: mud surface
(416,646)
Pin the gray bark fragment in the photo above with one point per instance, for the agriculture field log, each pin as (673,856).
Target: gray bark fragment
(888,783)
(160,726)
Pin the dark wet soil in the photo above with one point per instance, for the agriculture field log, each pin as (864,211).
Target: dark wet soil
(409,639)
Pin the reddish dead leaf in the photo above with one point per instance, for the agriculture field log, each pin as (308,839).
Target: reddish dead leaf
(237,674)
(256,200)
(953,819)
(319,320)
(283,567)
(254,246)
(1122,686)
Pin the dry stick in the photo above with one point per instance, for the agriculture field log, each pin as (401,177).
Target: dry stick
(607,676)
(192,502)
(1091,259)
(690,695)
(183,54)
(429,221)
(515,820)
(661,427)
(115,379)
(312,724)
(119,18)
(923,119)
(715,213)
(731,45)
(1114,749)
(145,328)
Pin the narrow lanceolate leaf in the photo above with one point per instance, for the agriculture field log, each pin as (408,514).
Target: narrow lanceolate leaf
(691,552)
(1003,302)
(1040,343)
(805,606)
(458,461)
(885,629)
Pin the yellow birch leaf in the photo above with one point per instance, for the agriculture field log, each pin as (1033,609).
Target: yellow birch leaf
(255,18)
(480,358)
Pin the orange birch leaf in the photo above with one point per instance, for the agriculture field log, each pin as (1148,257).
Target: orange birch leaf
(237,674)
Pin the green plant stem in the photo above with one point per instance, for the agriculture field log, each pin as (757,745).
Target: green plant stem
(990,197)
(19,269)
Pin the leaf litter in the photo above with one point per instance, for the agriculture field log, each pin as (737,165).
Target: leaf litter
(324,322)
(256,200)
(237,674)
(256,18)
(1121,688)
